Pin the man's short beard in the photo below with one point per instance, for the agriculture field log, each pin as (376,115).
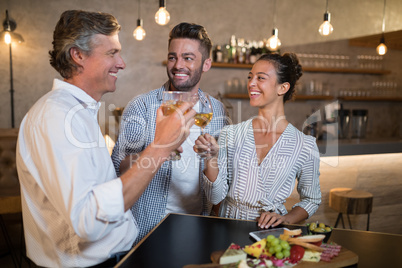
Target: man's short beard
(185,87)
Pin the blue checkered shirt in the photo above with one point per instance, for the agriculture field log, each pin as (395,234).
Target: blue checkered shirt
(137,131)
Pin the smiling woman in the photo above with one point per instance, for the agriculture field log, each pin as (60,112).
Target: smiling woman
(244,173)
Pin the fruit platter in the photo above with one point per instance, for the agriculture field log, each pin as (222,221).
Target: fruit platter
(281,247)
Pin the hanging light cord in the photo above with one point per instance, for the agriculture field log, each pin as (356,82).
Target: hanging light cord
(383,17)
(274,13)
(139,9)
(326,8)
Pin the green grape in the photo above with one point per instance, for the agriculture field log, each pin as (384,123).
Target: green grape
(285,244)
(270,238)
(271,250)
(279,255)
(278,248)
(286,253)
(275,241)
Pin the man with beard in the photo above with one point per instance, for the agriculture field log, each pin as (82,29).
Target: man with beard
(177,185)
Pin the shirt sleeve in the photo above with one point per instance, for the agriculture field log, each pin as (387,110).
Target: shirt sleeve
(71,165)
(109,209)
(308,185)
(132,135)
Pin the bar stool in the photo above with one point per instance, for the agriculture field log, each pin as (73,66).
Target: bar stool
(10,205)
(349,201)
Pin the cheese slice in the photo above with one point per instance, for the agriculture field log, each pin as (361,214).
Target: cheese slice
(232,256)
(311,256)
(256,249)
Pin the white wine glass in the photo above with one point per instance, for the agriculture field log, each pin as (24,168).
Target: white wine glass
(171,100)
(204,116)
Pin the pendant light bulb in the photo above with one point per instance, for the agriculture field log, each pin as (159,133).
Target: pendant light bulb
(381,48)
(162,16)
(273,43)
(326,27)
(7,38)
(139,32)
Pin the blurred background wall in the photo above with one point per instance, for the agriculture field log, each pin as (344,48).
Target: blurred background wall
(297,21)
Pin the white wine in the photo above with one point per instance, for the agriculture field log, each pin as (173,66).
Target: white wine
(170,106)
(202,119)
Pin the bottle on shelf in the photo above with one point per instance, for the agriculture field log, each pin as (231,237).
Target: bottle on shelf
(253,52)
(241,51)
(225,53)
(218,54)
(259,49)
(247,52)
(264,48)
(233,50)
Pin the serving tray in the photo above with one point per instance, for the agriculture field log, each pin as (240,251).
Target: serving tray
(345,258)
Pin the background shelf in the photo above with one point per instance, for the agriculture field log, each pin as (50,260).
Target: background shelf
(306,69)
(297,97)
(322,97)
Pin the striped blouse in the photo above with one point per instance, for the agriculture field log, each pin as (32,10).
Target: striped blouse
(247,188)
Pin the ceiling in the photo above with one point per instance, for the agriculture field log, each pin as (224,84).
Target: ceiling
(393,40)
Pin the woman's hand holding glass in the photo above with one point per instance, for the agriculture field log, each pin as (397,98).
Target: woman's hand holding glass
(202,119)
(206,146)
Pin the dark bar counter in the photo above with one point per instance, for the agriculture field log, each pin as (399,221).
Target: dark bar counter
(180,240)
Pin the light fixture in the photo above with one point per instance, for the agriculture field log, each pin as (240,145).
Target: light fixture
(326,27)
(273,43)
(162,16)
(9,38)
(139,32)
(382,48)
(8,34)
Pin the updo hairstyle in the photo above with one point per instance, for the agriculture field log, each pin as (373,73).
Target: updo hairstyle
(287,69)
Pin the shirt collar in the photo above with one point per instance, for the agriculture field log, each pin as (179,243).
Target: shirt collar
(165,87)
(80,95)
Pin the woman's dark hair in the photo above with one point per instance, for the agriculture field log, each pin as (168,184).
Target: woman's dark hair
(76,28)
(195,32)
(287,69)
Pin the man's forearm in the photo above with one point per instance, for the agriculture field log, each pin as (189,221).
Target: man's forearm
(126,163)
